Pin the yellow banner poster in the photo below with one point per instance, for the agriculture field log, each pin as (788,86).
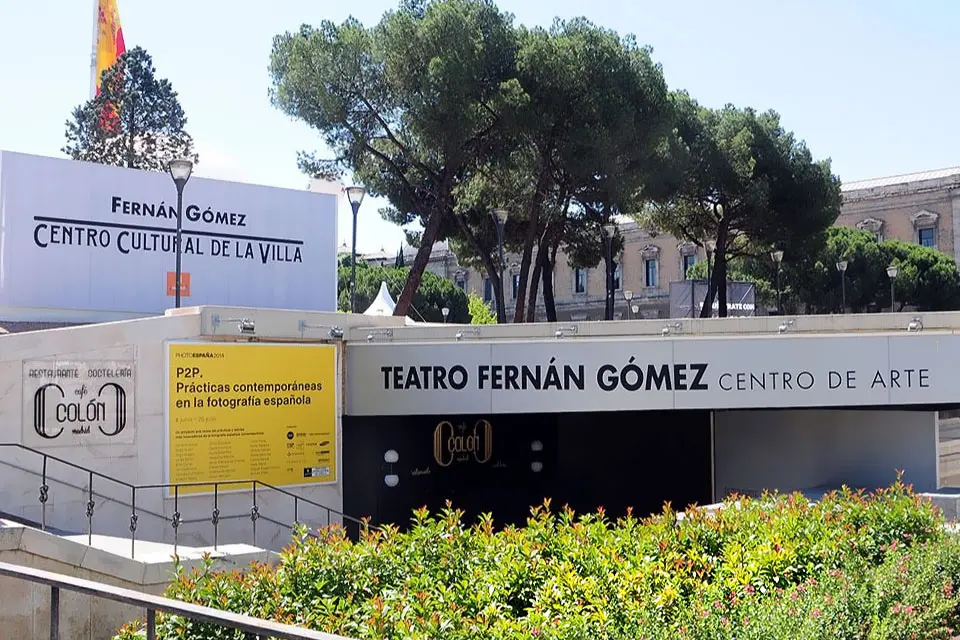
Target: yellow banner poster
(251,412)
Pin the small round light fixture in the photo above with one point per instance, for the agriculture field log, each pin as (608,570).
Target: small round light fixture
(536,445)
(391,480)
(536,466)
(391,456)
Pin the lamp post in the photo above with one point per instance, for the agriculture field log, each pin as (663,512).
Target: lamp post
(778,259)
(180,171)
(842,268)
(892,272)
(609,231)
(628,296)
(500,219)
(354,197)
(636,309)
(446,312)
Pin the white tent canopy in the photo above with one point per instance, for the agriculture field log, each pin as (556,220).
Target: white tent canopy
(383,304)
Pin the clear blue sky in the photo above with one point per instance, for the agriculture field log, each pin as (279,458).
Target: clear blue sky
(870,83)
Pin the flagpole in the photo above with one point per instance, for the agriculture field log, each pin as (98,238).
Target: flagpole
(93,51)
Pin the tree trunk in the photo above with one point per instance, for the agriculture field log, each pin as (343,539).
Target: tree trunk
(549,302)
(131,136)
(721,269)
(533,232)
(706,309)
(535,280)
(420,262)
(486,257)
(608,302)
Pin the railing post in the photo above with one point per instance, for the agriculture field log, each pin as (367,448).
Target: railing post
(215,519)
(254,513)
(175,521)
(296,511)
(133,521)
(44,496)
(54,613)
(151,624)
(90,507)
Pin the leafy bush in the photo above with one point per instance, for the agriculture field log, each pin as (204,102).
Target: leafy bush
(850,566)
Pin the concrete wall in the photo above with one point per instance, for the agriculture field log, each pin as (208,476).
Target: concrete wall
(25,606)
(806,449)
(142,462)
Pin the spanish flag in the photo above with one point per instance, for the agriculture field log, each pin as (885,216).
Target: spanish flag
(109,39)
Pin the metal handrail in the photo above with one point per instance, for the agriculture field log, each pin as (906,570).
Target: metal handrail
(176,520)
(152,604)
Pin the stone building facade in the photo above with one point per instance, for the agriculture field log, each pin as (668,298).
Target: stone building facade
(922,208)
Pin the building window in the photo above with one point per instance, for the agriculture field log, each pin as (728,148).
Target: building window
(872,226)
(925,224)
(487,290)
(650,272)
(516,284)
(616,277)
(579,280)
(688,262)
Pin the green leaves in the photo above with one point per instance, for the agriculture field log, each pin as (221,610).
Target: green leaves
(480,311)
(433,295)
(136,121)
(738,177)
(927,279)
(851,565)
(410,106)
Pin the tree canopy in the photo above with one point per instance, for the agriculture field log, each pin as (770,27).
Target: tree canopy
(136,120)
(738,178)
(811,281)
(926,278)
(409,106)
(449,110)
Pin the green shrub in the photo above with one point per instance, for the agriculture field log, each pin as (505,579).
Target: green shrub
(849,566)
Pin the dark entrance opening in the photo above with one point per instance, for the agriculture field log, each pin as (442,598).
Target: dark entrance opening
(504,464)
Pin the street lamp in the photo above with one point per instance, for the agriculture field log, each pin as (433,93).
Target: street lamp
(636,309)
(446,312)
(500,219)
(628,296)
(892,272)
(609,231)
(778,258)
(354,197)
(842,268)
(180,171)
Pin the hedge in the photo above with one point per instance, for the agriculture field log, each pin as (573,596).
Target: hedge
(852,565)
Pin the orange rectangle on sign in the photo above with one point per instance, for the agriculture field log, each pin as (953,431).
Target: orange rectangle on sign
(172,283)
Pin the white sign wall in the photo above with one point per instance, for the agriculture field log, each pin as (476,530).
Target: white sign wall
(85,236)
(76,402)
(628,375)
